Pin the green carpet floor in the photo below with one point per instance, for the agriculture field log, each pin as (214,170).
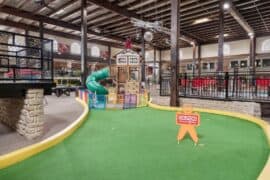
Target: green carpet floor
(140,144)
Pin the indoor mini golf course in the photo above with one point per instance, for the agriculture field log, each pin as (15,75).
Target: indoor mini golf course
(141,144)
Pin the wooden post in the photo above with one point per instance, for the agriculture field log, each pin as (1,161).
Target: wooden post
(109,57)
(41,35)
(221,38)
(199,60)
(143,55)
(193,59)
(84,38)
(26,41)
(252,53)
(154,68)
(160,64)
(175,32)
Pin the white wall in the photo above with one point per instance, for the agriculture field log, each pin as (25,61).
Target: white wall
(184,53)
(211,50)
(149,55)
(260,42)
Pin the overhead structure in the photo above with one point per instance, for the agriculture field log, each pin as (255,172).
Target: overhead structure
(139,21)
(110,20)
(228,6)
(157,26)
(45,19)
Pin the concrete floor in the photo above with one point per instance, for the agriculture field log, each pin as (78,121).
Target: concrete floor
(59,113)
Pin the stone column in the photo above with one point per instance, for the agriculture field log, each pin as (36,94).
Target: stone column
(25,115)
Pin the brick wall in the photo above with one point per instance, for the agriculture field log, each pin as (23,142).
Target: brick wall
(25,115)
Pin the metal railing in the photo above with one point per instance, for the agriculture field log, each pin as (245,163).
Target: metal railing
(25,58)
(241,86)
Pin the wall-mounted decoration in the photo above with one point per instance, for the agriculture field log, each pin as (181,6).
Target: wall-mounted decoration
(104,54)
(63,48)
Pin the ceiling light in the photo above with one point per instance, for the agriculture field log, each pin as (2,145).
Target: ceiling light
(224,35)
(60,11)
(251,34)
(226,6)
(202,20)
(97,30)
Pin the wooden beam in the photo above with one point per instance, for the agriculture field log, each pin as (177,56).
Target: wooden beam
(68,3)
(115,8)
(77,58)
(129,14)
(240,19)
(48,20)
(175,32)
(221,38)
(84,68)
(55,33)
(65,15)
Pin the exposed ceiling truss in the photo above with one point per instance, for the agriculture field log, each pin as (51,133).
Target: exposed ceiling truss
(109,20)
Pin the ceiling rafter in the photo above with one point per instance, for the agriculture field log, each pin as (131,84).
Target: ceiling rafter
(130,14)
(36,17)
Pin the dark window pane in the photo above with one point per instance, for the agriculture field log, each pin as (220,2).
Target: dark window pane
(189,66)
(234,64)
(212,65)
(243,64)
(266,62)
(258,63)
(205,66)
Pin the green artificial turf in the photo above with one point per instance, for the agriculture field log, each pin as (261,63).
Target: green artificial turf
(140,144)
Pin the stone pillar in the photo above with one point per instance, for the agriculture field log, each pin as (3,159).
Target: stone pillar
(25,115)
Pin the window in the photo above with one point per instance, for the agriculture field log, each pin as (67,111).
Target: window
(205,66)
(234,64)
(19,40)
(258,63)
(243,64)
(147,56)
(266,62)
(75,48)
(266,45)
(55,45)
(189,66)
(95,51)
(227,49)
(212,65)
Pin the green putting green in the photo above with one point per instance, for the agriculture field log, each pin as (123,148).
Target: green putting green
(140,144)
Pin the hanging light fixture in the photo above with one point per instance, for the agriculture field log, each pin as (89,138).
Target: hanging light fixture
(148,36)
(226,5)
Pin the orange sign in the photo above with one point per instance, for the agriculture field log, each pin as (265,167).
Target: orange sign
(188,121)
